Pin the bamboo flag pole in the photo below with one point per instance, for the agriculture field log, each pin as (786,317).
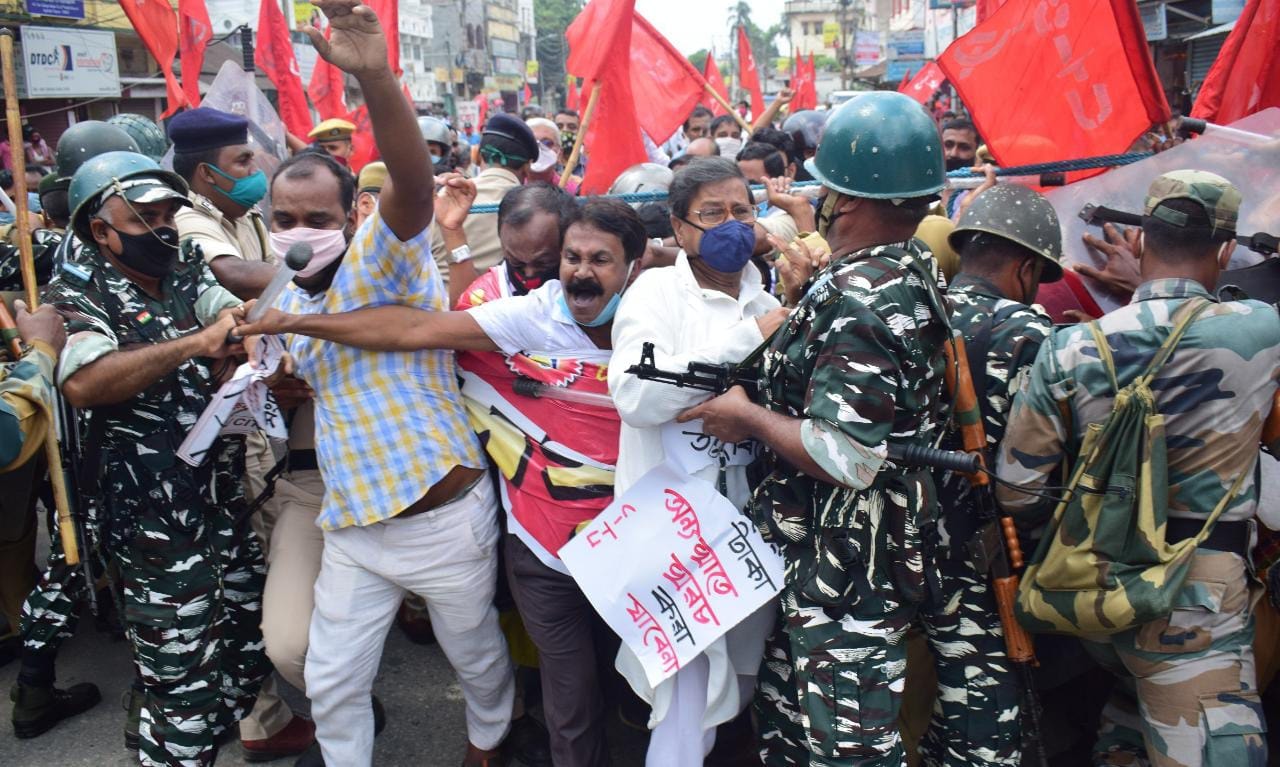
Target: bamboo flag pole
(66,526)
(721,101)
(572,162)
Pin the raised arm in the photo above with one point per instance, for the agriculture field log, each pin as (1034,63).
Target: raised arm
(389,328)
(357,45)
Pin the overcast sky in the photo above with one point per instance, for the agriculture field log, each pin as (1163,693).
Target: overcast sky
(695,24)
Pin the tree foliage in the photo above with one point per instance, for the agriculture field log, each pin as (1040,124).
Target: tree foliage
(552,18)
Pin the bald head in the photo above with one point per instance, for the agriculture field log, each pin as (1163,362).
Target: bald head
(703,147)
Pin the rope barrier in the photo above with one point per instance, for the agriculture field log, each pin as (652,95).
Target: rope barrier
(1059,166)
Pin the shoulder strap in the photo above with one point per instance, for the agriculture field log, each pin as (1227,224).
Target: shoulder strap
(1220,508)
(1181,319)
(1104,353)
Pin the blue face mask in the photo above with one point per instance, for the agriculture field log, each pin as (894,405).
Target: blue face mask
(727,247)
(606,314)
(245,192)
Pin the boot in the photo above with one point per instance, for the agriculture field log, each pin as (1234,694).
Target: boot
(36,709)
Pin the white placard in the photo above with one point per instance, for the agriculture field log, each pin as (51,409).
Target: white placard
(671,566)
(242,405)
(685,445)
(68,62)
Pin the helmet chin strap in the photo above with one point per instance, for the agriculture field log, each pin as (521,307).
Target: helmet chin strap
(827,213)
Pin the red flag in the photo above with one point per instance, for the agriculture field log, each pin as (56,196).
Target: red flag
(986,8)
(363,148)
(803,85)
(599,41)
(571,96)
(711,73)
(157,25)
(926,82)
(748,76)
(666,85)
(1246,76)
(327,89)
(527,94)
(194,31)
(388,13)
(275,56)
(482,104)
(1076,83)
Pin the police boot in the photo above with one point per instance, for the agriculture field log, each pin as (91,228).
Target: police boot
(36,709)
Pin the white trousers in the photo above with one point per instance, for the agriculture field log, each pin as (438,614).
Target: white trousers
(447,556)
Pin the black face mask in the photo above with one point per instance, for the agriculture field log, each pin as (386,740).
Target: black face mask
(153,254)
(956,163)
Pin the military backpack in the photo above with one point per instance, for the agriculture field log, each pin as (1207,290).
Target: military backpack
(1103,565)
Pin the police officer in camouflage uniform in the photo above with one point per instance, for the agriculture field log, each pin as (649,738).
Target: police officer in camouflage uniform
(147,333)
(1009,242)
(1187,694)
(51,611)
(858,367)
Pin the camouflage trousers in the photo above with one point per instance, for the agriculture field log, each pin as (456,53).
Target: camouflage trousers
(1187,695)
(975,715)
(829,690)
(52,609)
(192,595)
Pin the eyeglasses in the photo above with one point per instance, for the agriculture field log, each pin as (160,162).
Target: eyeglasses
(716,216)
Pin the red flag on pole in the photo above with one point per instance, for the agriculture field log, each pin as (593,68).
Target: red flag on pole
(748,76)
(327,89)
(711,73)
(157,26)
(526,94)
(482,104)
(1077,83)
(363,148)
(275,56)
(599,44)
(927,81)
(194,31)
(1246,76)
(571,95)
(665,84)
(986,8)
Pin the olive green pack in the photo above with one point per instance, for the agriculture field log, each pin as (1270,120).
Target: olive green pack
(1103,565)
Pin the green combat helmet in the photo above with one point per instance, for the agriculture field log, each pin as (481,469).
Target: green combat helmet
(134,176)
(90,139)
(150,137)
(1020,215)
(880,145)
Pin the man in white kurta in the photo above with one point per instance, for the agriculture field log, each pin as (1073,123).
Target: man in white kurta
(687,322)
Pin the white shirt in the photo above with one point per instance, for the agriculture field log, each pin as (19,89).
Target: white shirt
(536,323)
(686,323)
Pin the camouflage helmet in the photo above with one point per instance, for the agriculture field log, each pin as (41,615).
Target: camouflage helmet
(89,139)
(880,145)
(150,137)
(805,128)
(643,177)
(1020,215)
(134,176)
(436,131)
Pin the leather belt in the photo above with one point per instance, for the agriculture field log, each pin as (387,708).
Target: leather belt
(1231,537)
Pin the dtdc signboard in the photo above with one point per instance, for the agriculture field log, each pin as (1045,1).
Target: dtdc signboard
(62,62)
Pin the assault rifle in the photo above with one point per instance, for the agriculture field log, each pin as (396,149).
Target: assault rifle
(719,379)
(995,548)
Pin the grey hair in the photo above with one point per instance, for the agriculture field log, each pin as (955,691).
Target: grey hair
(696,174)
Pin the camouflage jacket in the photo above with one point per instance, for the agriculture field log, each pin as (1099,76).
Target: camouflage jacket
(138,439)
(860,360)
(1214,393)
(26,405)
(1009,335)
